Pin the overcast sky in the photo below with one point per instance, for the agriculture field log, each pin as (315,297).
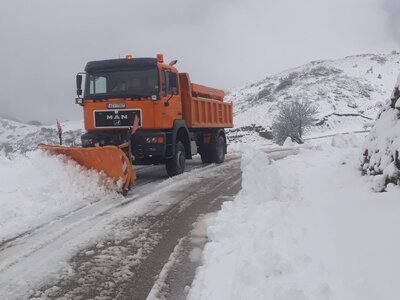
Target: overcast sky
(221,43)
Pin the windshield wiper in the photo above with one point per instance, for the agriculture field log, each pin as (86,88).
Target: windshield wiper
(108,96)
(132,96)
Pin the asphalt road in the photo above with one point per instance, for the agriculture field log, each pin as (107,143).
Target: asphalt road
(127,264)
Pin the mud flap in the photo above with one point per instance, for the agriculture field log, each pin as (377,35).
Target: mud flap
(109,159)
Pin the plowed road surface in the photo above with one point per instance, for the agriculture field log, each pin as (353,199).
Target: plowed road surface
(147,246)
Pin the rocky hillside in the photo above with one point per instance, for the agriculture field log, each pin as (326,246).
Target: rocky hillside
(348,92)
(381,158)
(20,137)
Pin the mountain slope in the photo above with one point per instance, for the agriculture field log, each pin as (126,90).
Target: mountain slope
(20,137)
(354,86)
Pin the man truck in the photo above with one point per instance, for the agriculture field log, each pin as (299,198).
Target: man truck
(143,111)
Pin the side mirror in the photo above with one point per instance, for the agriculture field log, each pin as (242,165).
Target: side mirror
(79,101)
(79,84)
(172,63)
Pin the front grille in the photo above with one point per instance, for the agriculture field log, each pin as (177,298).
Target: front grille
(116,118)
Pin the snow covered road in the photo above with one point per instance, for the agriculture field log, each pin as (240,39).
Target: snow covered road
(62,255)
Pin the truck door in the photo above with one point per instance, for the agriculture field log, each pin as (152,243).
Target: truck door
(172,106)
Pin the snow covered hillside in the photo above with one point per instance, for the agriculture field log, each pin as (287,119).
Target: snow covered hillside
(382,146)
(348,92)
(307,227)
(20,137)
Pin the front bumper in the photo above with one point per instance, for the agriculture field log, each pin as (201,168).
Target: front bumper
(149,146)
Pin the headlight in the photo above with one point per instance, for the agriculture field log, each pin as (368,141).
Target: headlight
(151,140)
(87,142)
(154,140)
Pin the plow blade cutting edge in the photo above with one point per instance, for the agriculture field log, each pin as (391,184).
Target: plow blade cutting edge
(109,159)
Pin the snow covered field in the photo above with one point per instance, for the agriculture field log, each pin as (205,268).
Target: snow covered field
(306,227)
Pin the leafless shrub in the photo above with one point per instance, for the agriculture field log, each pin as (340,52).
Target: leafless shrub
(293,119)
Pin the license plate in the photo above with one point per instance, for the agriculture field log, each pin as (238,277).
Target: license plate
(115,105)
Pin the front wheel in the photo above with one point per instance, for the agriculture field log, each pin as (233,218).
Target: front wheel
(176,164)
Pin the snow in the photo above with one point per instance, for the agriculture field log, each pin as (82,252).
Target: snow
(304,227)
(288,142)
(155,291)
(42,256)
(346,141)
(36,188)
(348,92)
(380,155)
(20,137)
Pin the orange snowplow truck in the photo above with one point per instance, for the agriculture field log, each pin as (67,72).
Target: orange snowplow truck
(155,110)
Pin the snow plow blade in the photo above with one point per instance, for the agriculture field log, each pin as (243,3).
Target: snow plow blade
(109,159)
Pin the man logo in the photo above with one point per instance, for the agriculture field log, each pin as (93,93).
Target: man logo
(117,117)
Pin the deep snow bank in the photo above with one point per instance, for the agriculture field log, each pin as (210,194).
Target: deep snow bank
(35,188)
(305,227)
(382,146)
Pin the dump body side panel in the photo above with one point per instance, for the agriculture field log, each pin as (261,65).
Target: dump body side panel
(207,92)
(202,109)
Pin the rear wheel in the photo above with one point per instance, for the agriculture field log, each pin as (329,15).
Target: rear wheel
(219,150)
(215,153)
(206,157)
(176,164)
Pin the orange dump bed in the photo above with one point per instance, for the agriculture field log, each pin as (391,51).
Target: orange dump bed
(207,92)
(203,107)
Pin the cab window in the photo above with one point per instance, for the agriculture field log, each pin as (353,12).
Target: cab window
(173,84)
(165,82)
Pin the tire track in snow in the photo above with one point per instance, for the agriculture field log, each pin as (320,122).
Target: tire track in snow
(126,267)
(45,249)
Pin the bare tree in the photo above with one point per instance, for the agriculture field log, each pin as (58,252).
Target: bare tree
(293,119)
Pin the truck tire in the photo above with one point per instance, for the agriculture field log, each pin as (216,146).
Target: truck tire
(218,153)
(215,153)
(206,157)
(176,164)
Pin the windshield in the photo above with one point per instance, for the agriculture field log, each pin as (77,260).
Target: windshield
(140,82)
